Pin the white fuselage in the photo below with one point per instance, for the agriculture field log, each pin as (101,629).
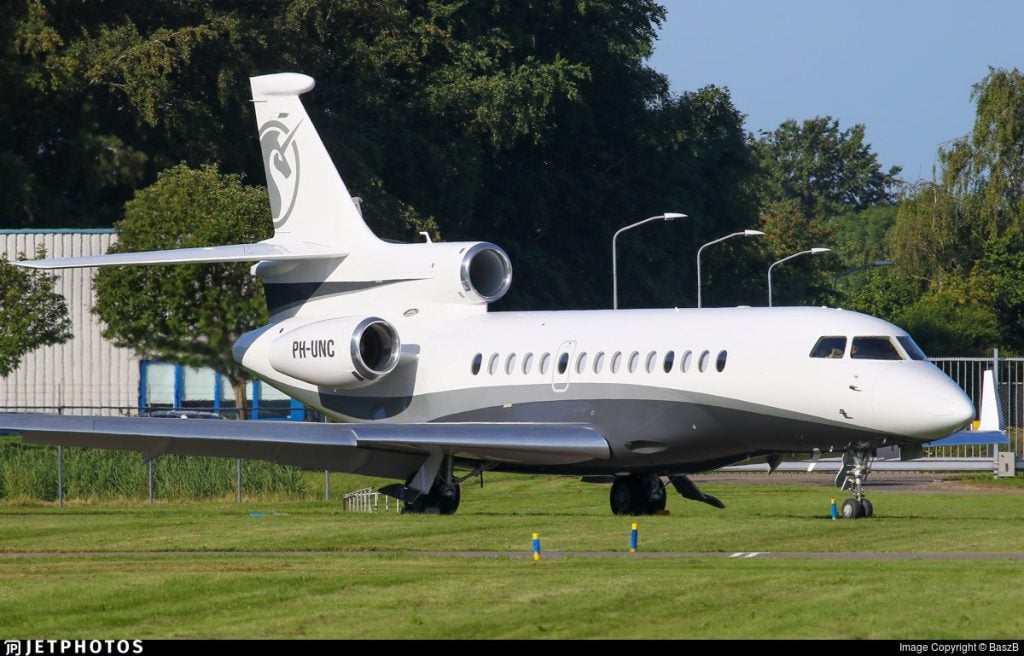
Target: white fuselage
(667,387)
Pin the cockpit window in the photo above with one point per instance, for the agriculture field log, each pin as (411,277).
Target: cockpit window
(912,349)
(874,348)
(829,347)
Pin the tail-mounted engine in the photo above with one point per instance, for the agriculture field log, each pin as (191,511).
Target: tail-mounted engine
(346,352)
(485,272)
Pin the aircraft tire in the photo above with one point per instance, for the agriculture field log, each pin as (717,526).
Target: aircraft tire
(866,509)
(851,509)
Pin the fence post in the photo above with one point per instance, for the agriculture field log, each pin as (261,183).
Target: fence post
(238,480)
(60,475)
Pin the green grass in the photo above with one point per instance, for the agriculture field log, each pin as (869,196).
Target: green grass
(401,594)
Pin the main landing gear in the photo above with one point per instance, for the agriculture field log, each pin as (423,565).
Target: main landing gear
(444,494)
(644,494)
(852,476)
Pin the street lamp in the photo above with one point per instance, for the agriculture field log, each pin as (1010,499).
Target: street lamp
(667,216)
(869,265)
(813,251)
(743,233)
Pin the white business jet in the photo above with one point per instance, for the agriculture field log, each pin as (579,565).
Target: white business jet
(395,344)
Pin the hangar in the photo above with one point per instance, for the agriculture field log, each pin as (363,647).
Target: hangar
(88,375)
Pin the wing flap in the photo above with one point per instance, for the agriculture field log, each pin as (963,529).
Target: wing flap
(273,251)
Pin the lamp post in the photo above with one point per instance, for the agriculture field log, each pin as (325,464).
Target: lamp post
(869,265)
(812,251)
(742,233)
(667,216)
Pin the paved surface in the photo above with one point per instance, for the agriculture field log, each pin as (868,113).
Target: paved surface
(521,555)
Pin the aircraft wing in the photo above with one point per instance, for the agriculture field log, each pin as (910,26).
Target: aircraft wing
(264,250)
(379,449)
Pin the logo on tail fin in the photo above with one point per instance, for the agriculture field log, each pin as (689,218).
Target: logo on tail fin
(281,160)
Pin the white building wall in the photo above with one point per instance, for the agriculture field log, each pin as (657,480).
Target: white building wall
(87,374)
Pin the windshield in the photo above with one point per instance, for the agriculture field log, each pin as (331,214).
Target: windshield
(874,348)
(912,349)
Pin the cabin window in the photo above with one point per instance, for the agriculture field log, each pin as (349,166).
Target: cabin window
(829,347)
(874,348)
(670,359)
(687,360)
(478,360)
(581,363)
(720,362)
(652,358)
(911,347)
(545,363)
(634,361)
(527,363)
(616,362)
(702,364)
(599,362)
(563,363)
(492,364)
(510,364)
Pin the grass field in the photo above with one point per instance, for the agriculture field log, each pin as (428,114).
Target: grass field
(214,584)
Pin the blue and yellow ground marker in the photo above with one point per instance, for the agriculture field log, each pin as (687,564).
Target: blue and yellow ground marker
(633,538)
(835,511)
(536,546)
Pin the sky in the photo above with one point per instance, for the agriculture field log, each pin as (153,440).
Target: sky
(903,68)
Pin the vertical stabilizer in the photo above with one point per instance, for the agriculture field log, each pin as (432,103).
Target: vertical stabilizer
(308,199)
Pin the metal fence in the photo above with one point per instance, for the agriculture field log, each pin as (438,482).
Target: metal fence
(1009,376)
(369,500)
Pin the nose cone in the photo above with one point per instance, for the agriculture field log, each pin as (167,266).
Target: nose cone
(920,401)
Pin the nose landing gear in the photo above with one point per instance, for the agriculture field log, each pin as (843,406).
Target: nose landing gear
(852,476)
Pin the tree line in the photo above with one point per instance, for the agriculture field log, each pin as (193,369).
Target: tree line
(535,125)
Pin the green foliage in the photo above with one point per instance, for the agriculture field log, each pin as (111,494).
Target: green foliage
(827,170)
(190,314)
(537,125)
(31,313)
(961,235)
(30,473)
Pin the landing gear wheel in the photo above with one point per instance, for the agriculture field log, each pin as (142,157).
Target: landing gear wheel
(866,509)
(637,495)
(851,509)
(623,496)
(435,502)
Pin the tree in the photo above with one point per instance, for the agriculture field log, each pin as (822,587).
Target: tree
(961,234)
(190,314)
(537,125)
(825,169)
(31,313)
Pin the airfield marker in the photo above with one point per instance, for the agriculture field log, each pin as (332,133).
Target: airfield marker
(633,538)
(536,546)
(835,511)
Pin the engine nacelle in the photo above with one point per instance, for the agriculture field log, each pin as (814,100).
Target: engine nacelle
(345,352)
(485,272)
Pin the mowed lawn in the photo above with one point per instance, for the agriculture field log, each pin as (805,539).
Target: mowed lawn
(320,589)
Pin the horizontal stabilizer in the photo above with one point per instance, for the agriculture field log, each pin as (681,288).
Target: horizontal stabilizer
(383,449)
(265,250)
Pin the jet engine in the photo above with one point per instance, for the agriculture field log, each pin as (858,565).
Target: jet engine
(485,272)
(344,352)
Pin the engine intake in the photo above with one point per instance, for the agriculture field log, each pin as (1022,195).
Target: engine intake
(486,272)
(346,352)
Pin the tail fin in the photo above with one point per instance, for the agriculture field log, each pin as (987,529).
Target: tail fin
(308,199)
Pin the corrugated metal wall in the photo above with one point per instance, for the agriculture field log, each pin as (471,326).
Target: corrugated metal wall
(86,375)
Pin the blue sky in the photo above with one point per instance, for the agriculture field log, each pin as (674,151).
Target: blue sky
(903,68)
